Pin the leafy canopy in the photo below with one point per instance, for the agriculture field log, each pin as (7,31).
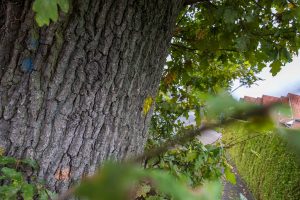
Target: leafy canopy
(216,42)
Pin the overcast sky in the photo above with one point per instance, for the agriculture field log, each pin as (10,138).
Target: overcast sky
(286,81)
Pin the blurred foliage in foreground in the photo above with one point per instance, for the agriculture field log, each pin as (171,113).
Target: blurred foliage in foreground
(181,171)
(123,181)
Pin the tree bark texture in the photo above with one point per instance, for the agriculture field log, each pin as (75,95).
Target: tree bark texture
(72,93)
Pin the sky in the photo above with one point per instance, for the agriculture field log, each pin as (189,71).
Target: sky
(286,81)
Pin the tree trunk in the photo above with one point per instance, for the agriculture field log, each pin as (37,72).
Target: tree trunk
(72,93)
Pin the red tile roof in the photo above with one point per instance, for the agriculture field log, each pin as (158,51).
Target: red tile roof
(249,99)
(268,100)
(292,100)
(295,105)
(252,100)
(284,100)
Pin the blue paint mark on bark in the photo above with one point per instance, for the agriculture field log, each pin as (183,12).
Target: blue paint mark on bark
(27,65)
(32,43)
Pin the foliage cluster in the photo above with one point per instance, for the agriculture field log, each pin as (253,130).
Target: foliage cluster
(192,163)
(214,43)
(266,164)
(18,181)
(114,181)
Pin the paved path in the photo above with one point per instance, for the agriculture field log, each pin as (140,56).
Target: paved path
(209,137)
(239,191)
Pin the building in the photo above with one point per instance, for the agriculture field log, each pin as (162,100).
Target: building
(292,100)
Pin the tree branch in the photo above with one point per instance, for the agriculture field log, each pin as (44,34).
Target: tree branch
(242,141)
(193,49)
(191,2)
(182,139)
(188,136)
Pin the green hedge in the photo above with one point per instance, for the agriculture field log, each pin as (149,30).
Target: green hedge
(270,170)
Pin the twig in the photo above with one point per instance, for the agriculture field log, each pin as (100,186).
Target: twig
(183,15)
(238,87)
(193,49)
(191,2)
(245,140)
(181,139)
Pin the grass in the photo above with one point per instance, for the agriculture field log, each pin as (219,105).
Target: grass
(269,168)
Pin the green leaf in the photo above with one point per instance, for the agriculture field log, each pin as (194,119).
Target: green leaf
(113,181)
(12,174)
(45,10)
(9,192)
(198,117)
(249,18)
(191,155)
(242,43)
(230,16)
(30,162)
(211,191)
(51,194)
(64,5)
(255,153)
(7,160)
(143,190)
(28,191)
(285,55)
(43,195)
(229,175)
(167,184)
(275,67)
(155,198)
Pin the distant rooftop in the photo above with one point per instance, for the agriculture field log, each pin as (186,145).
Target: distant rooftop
(292,100)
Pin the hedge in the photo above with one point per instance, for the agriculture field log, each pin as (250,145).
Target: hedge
(269,168)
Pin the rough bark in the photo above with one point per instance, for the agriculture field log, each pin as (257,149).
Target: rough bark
(72,93)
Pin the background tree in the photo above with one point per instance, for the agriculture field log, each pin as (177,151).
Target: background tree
(80,90)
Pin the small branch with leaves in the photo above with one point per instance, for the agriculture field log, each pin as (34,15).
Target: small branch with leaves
(184,138)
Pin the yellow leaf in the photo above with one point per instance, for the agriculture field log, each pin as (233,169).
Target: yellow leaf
(147,105)
(143,190)
(200,34)
(2,151)
(291,5)
(169,78)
